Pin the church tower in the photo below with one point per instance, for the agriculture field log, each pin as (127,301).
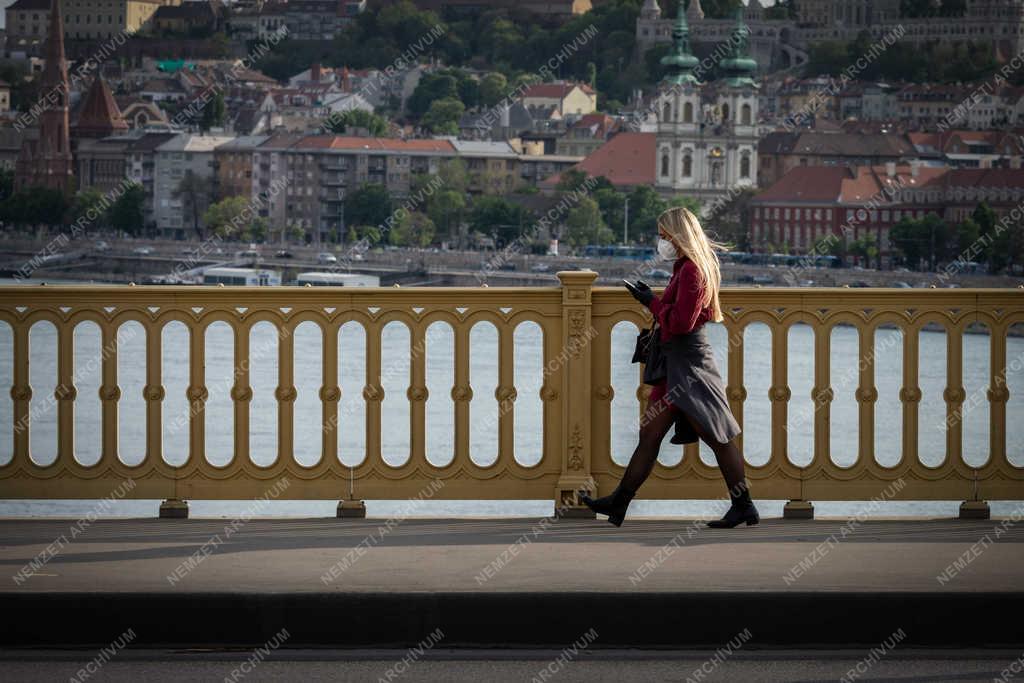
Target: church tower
(737,108)
(706,138)
(651,11)
(46,162)
(678,105)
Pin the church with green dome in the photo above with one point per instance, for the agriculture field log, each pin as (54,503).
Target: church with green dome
(706,132)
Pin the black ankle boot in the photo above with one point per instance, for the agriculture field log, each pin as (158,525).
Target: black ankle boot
(742,510)
(613,505)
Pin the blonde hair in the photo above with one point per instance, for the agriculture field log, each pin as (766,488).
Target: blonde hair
(685,232)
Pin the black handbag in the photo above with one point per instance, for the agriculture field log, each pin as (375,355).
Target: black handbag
(649,352)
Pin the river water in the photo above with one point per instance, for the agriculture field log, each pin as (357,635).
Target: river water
(483,377)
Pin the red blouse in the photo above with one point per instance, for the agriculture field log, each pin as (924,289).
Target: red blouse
(678,311)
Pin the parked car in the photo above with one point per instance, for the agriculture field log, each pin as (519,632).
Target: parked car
(326,257)
(101,246)
(142,251)
(899,284)
(540,268)
(507,266)
(283,253)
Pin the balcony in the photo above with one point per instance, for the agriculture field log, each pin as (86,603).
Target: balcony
(555,422)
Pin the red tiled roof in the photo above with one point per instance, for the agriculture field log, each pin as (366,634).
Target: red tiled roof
(807,184)
(628,159)
(555,90)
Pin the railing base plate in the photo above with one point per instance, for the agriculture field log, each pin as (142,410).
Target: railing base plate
(575,513)
(352,508)
(975,509)
(798,509)
(174,509)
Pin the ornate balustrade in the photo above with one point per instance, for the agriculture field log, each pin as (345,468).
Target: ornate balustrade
(576,393)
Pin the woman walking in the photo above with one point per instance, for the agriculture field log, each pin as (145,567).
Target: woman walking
(691,393)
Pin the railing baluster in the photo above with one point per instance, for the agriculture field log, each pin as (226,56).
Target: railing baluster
(462,392)
(866,396)
(197,394)
(417,395)
(910,395)
(373,392)
(241,392)
(506,396)
(153,393)
(330,394)
(109,395)
(998,395)
(954,396)
(822,395)
(285,394)
(779,393)
(65,394)
(21,392)
(736,392)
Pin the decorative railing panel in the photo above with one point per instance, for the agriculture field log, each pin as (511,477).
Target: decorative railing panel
(143,340)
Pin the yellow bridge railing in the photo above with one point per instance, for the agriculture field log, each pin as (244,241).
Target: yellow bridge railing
(576,392)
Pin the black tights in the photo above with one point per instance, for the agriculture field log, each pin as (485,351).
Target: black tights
(656,423)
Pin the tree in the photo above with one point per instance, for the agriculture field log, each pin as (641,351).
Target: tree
(454,175)
(432,87)
(194,193)
(446,209)
(493,88)
(85,202)
(213,112)
(864,248)
(355,120)
(920,239)
(412,230)
(645,205)
(499,217)
(371,204)
(222,218)
(584,225)
(6,183)
(443,116)
(127,214)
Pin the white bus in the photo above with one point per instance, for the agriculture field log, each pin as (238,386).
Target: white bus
(337,280)
(253,277)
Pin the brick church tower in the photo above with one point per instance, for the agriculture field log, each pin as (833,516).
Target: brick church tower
(46,161)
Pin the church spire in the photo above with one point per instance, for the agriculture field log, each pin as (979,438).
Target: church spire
(739,66)
(46,162)
(681,62)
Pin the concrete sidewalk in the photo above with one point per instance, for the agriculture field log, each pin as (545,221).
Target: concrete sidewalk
(861,581)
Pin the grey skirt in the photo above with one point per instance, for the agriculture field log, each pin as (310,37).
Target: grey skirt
(694,386)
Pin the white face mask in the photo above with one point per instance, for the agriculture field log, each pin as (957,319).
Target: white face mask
(666,250)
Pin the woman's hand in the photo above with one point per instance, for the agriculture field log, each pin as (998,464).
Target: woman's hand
(641,292)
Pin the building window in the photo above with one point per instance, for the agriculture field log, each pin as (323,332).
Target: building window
(664,165)
(745,166)
(745,115)
(688,112)
(666,112)
(687,166)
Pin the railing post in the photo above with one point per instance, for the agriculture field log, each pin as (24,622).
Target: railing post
(575,359)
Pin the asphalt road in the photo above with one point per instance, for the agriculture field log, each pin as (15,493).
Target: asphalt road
(310,666)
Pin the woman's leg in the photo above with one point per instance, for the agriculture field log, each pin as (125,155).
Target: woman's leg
(730,462)
(655,424)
